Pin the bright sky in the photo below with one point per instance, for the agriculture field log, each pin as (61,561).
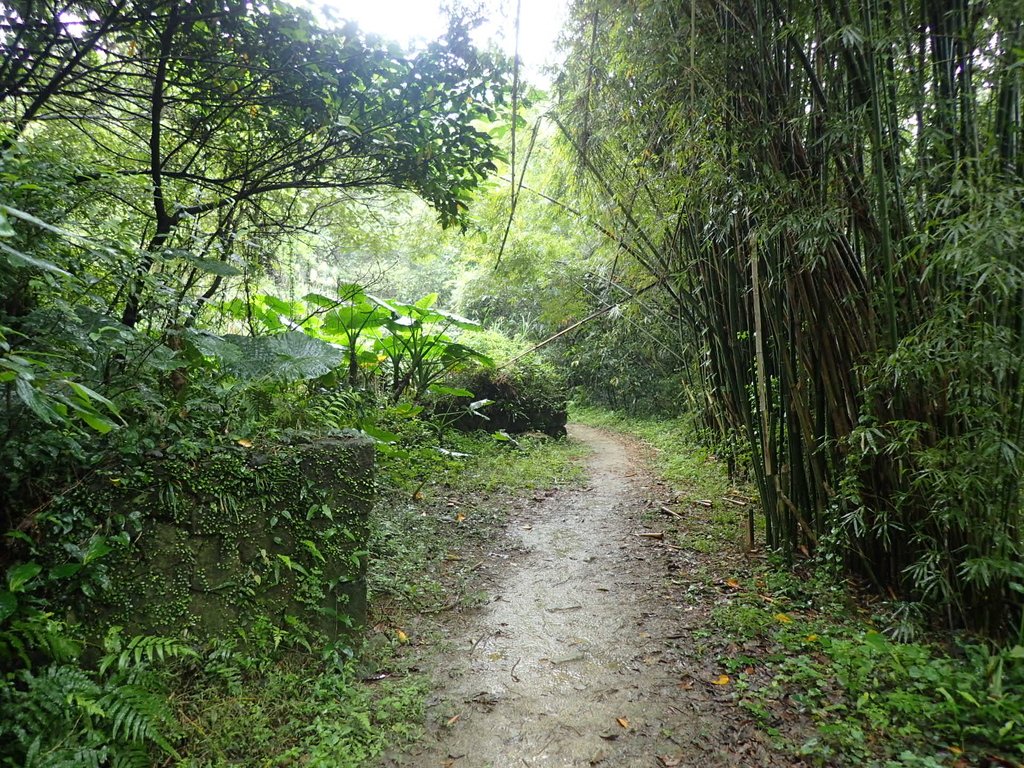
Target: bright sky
(406,21)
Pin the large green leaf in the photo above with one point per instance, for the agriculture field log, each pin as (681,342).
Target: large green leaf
(20,575)
(349,321)
(460,352)
(215,267)
(18,259)
(291,356)
(458,321)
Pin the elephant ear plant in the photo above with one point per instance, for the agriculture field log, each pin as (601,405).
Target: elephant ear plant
(354,340)
(419,350)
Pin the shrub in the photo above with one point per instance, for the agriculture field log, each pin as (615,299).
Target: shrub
(528,393)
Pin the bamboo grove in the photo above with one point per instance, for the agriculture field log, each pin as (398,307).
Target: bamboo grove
(831,192)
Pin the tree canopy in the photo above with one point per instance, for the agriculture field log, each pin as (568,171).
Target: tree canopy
(189,134)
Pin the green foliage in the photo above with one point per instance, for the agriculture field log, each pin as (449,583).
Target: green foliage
(953,518)
(633,358)
(59,712)
(354,339)
(419,350)
(835,221)
(115,242)
(314,110)
(289,356)
(871,698)
(237,711)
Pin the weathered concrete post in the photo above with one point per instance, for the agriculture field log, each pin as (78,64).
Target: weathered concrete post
(243,535)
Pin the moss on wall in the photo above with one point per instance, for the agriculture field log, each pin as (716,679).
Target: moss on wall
(223,541)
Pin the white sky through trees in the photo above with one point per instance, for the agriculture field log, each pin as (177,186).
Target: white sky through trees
(407,21)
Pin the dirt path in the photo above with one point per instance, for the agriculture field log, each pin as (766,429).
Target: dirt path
(583,656)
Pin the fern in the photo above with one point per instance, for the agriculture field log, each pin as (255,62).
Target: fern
(36,636)
(148,648)
(45,715)
(137,715)
(85,757)
(132,756)
(333,410)
(66,716)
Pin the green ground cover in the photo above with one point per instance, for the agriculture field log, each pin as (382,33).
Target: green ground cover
(796,642)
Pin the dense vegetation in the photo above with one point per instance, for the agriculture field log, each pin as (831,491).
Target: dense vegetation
(829,194)
(796,226)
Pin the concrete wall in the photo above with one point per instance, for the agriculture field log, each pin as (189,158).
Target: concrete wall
(243,536)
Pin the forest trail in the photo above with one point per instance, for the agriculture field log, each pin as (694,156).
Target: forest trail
(583,655)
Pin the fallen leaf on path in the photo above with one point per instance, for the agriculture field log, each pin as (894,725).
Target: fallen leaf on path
(622,721)
(568,659)
(783,618)
(721,680)
(645,535)
(245,443)
(670,762)
(733,583)
(452,721)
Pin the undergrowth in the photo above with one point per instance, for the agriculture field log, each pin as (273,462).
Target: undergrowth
(271,695)
(798,643)
(292,712)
